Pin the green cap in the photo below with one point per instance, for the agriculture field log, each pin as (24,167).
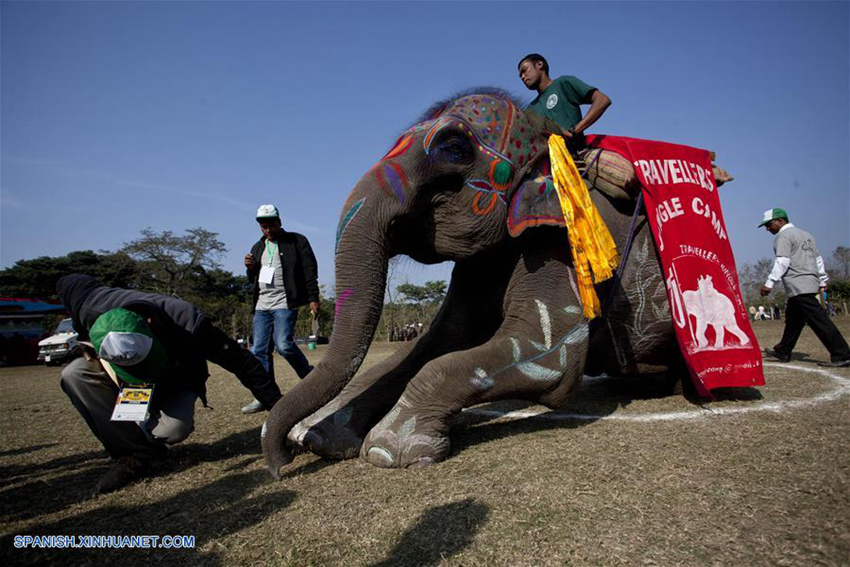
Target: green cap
(771,214)
(124,339)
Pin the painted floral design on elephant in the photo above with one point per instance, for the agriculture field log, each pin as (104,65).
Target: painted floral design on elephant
(532,366)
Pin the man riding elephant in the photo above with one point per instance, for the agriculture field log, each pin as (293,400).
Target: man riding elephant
(559,100)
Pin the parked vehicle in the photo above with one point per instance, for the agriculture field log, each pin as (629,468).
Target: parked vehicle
(59,347)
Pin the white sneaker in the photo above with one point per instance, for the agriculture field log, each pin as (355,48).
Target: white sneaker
(253,407)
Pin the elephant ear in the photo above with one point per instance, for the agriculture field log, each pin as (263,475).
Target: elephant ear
(534,203)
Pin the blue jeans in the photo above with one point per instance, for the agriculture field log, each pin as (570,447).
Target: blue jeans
(279,323)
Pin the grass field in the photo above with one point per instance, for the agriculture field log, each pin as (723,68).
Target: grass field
(624,474)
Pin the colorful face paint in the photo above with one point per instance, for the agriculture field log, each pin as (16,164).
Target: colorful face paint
(438,125)
(392,179)
(496,130)
(343,297)
(487,206)
(401,146)
(500,174)
(346,220)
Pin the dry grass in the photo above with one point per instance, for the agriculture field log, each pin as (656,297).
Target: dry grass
(762,487)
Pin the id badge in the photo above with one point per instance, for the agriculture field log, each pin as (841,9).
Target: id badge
(266,274)
(132,404)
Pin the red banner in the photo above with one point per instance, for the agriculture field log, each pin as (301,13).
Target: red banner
(683,209)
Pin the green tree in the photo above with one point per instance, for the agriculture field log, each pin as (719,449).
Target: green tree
(839,290)
(752,278)
(435,291)
(419,304)
(168,263)
(413,293)
(37,278)
(223,297)
(840,262)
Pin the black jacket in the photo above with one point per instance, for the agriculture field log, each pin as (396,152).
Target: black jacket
(300,271)
(189,338)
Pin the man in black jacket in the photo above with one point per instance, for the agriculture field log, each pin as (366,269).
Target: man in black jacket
(282,267)
(186,339)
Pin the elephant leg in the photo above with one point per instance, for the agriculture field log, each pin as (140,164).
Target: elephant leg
(719,334)
(465,320)
(736,330)
(511,365)
(337,429)
(702,325)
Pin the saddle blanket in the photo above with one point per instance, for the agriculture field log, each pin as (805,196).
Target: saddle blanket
(683,209)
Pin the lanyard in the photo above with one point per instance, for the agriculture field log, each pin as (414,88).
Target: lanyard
(271,250)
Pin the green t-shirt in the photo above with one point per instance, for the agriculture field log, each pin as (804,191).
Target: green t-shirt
(560,101)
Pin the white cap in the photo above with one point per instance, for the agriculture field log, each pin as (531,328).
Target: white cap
(267,212)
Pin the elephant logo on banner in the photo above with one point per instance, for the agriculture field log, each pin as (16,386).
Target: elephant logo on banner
(710,307)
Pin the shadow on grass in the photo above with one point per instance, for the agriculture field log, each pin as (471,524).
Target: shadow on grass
(44,496)
(9,474)
(213,511)
(737,394)
(310,468)
(796,356)
(25,450)
(42,493)
(441,532)
(241,444)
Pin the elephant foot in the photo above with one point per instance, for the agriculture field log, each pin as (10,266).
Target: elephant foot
(328,433)
(405,440)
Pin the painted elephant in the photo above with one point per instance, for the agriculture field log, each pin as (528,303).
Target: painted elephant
(469,182)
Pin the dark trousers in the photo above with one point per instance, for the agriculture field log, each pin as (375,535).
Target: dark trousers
(804,309)
(93,393)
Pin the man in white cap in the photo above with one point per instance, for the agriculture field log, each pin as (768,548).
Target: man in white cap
(155,349)
(283,270)
(800,267)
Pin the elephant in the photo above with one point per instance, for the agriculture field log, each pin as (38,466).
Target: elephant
(469,182)
(710,307)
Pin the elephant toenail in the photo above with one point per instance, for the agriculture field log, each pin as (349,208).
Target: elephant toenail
(380,457)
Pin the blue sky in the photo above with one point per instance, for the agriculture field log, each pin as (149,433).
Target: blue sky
(116,116)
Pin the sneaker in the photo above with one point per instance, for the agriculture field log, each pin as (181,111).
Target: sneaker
(124,471)
(253,407)
(838,364)
(779,357)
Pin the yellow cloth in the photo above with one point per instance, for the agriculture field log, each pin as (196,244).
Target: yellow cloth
(594,252)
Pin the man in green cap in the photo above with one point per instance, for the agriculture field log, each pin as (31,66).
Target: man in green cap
(153,350)
(800,267)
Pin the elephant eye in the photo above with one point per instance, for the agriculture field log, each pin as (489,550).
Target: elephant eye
(456,149)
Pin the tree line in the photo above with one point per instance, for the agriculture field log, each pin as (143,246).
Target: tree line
(188,267)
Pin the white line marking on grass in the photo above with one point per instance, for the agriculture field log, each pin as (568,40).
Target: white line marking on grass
(843,388)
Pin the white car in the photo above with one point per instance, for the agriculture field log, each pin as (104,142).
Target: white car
(58,348)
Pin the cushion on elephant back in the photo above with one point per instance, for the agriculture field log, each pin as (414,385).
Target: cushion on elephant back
(615,176)
(610,172)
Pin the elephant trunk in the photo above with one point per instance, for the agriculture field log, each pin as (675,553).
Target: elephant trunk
(361,271)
